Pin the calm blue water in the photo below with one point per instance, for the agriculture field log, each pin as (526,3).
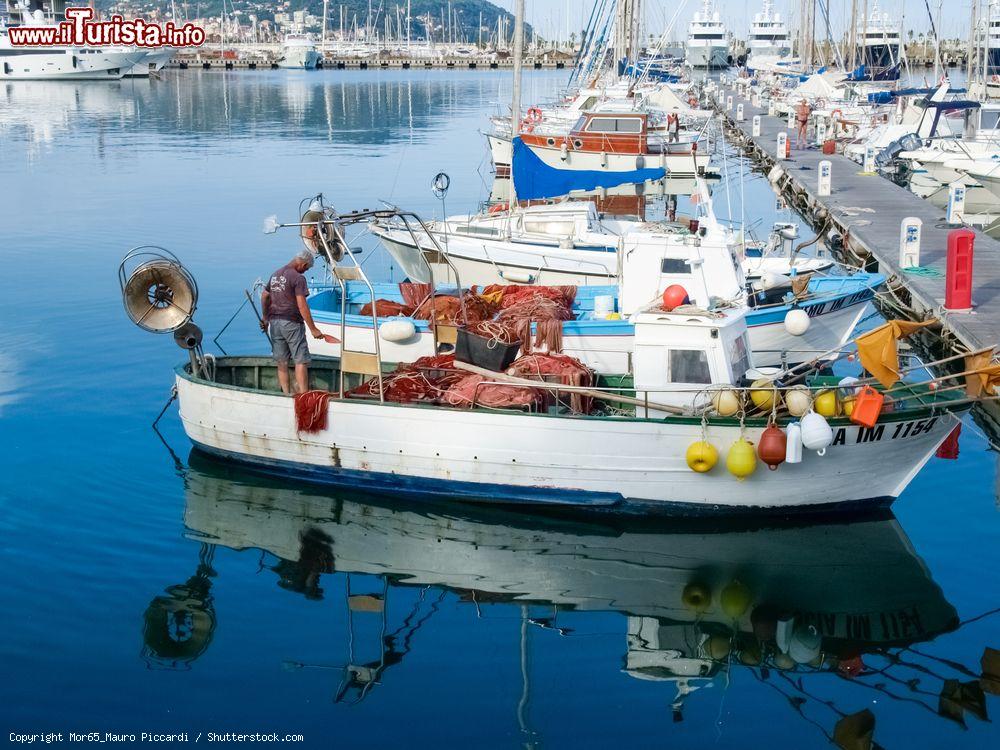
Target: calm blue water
(148,595)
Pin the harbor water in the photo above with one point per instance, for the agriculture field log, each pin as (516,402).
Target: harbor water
(151,590)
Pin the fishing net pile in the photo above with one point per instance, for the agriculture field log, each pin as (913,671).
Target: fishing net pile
(436,380)
(502,313)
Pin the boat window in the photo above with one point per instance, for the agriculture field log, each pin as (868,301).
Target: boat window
(689,366)
(674,265)
(739,357)
(615,125)
(579,124)
(589,103)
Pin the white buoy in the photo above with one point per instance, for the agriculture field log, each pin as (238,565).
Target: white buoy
(909,242)
(956,203)
(782,144)
(869,165)
(797,321)
(793,443)
(564,151)
(739,112)
(816,432)
(824,178)
(397,330)
(756,126)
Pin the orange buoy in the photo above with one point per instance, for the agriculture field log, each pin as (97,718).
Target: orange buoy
(867,407)
(674,296)
(771,447)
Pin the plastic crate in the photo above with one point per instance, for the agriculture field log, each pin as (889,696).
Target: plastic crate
(484,352)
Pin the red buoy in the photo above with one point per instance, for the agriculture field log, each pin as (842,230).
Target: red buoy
(771,446)
(674,296)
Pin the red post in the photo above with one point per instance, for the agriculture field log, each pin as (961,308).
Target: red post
(958,278)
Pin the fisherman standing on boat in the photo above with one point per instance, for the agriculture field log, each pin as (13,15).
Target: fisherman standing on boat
(802,112)
(285,318)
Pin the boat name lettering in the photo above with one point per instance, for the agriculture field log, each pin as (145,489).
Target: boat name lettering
(875,434)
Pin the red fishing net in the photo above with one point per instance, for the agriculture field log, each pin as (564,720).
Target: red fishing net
(387,308)
(557,368)
(477,390)
(311,410)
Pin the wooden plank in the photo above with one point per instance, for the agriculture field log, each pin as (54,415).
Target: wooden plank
(362,363)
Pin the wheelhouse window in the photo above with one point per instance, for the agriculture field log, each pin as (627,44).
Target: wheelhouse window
(689,366)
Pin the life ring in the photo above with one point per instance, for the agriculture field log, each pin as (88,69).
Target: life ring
(497,208)
(837,114)
(693,101)
(527,126)
(534,114)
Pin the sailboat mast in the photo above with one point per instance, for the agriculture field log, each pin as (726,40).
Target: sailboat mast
(515,99)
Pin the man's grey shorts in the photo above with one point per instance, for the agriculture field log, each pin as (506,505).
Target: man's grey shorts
(288,341)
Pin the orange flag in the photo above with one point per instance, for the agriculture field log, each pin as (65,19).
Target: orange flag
(878,352)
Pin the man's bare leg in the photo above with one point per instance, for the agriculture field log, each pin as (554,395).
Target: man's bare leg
(302,377)
(283,376)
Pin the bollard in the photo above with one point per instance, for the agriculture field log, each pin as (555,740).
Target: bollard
(722,96)
(825,178)
(956,203)
(739,112)
(869,165)
(755,100)
(820,132)
(791,119)
(909,242)
(782,144)
(958,275)
(729,103)
(756,126)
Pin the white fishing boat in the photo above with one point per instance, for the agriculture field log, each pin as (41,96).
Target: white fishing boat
(299,51)
(638,457)
(707,45)
(625,262)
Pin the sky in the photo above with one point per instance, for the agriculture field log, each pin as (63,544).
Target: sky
(550,16)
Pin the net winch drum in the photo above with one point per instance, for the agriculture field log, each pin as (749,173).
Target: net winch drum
(318,232)
(159,294)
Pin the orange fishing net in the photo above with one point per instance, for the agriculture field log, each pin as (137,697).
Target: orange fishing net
(310,410)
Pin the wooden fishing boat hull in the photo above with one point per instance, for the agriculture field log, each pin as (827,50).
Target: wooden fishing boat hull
(613,463)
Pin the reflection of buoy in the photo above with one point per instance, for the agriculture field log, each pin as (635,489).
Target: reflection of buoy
(798,399)
(701,456)
(674,296)
(726,402)
(718,647)
(741,459)
(804,645)
(783,661)
(797,321)
(763,394)
(751,653)
(826,403)
(816,433)
(696,597)
(735,600)
(772,446)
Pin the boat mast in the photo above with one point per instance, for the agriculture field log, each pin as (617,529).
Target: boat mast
(515,100)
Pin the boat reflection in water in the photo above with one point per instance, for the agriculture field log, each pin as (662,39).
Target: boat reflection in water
(696,601)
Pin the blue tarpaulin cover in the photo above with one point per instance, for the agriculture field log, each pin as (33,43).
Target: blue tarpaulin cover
(534,179)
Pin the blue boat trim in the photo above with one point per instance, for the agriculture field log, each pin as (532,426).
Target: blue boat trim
(398,486)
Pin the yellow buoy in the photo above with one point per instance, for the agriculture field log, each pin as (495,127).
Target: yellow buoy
(696,597)
(826,404)
(798,399)
(742,459)
(848,405)
(763,394)
(735,600)
(718,647)
(726,402)
(701,456)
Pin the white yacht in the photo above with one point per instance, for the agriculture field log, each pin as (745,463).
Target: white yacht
(880,43)
(153,62)
(707,45)
(993,39)
(56,63)
(768,36)
(299,51)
